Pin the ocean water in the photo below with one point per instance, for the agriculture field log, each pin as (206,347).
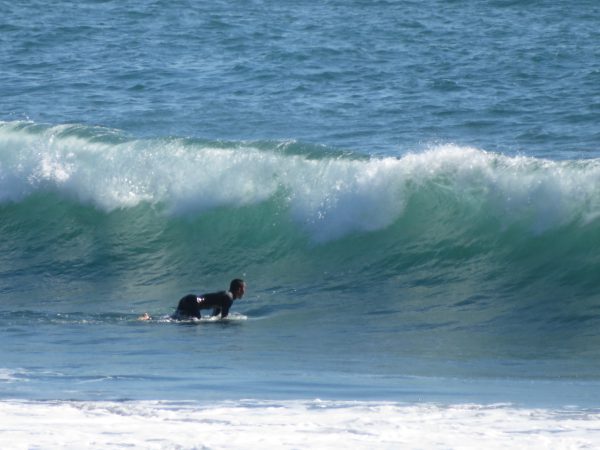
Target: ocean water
(410,189)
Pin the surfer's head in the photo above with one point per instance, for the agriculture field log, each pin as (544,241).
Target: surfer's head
(237,287)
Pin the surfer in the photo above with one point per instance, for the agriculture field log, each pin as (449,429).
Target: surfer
(220,302)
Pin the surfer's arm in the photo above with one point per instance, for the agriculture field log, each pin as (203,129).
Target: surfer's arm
(224,311)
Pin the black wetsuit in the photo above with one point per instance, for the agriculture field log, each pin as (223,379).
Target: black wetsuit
(190,305)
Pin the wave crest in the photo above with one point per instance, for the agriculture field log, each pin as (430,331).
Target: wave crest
(329,194)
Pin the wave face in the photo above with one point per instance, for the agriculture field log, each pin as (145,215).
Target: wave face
(444,242)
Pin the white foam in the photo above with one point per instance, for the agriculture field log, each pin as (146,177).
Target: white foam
(329,196)
(292,424)
(23,375)
(232,317)
(12,375)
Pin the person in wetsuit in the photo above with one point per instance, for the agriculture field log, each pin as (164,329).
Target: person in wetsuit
(220,302)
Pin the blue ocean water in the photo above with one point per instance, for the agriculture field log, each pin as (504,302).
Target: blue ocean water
(410,189)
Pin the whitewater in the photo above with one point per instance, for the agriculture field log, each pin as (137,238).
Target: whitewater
(321,424)
(331,195)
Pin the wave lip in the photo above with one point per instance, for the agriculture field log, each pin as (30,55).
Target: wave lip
(330,195)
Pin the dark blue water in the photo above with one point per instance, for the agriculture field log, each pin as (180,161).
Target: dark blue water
(377,77)
(410,189)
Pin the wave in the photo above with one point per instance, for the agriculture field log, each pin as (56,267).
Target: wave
(329,194)
(63,184)
(89,209)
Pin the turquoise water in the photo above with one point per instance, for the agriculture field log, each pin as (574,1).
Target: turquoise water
(410,189)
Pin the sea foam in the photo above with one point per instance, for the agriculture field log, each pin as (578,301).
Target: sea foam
(291,424)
